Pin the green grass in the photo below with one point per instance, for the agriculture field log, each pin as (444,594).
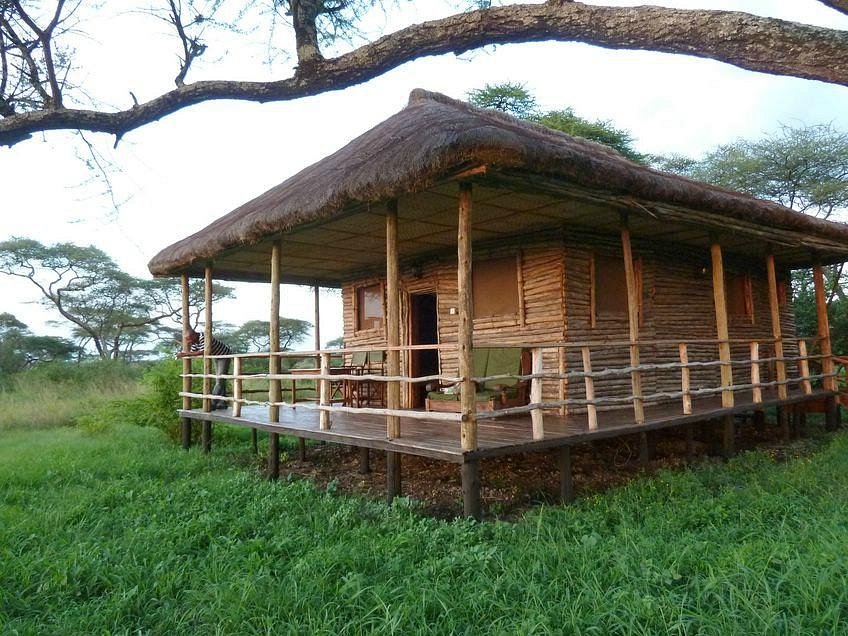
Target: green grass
(58,394)
(119,531)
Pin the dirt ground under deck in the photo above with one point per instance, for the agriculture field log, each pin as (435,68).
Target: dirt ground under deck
(515,483)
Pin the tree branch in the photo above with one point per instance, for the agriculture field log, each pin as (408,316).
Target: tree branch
(751,42)
(304,14)
(837,5)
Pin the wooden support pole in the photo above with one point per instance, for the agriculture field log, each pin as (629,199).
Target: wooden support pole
(690,442)
(756,391)
(275,389)
(774,309)
(237,386)
(783,422)
(566,478)
(206,431)
(468,423)
(831,413)
(633,319)
(364,460)
(728,437)
(392,317)
(254,441)
(720,300)
(301,449)
(536,416)
(393,476)
(324,386)
(804,366)
(685,381)
(644,451)
(185,428)
(823,328)
(471,504)
(207,338)
(317,293)
(589,382)
(273,456)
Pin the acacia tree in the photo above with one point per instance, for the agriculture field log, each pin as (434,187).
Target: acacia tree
(106,307)
(20,348)
(254,335)
(515,99)
(39,89)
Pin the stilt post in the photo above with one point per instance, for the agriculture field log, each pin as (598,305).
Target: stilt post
(728,437)
(393,476)
(468,423)
(471,504)
(364,460)
(566,478)
(273,456)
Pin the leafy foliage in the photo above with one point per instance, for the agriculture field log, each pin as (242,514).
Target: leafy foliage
(802,167)
(516,100)
(20,348)
(254,335)
(108,308)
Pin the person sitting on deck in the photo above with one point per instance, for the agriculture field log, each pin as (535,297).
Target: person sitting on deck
(197,345)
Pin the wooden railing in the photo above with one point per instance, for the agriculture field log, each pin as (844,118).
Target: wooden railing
(325,376)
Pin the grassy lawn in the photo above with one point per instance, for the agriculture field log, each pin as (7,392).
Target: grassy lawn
(118,531)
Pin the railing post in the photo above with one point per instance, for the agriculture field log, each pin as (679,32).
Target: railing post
(756,391)
(633,320)
(324,417)
(589,382)
(468,423)
(685,382)
(237,386)
(723,334)
(536,415)
(774,308)
(804,366)
(186,422)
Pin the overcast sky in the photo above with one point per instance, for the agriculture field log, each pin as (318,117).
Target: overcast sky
(180,174)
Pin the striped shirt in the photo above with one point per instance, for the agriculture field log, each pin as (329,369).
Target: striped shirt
(218,347)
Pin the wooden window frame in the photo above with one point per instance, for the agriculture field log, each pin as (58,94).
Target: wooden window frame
(519,316)
(356,326)
(593,295)
(747,296)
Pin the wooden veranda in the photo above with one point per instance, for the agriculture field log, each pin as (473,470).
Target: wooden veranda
(403,195)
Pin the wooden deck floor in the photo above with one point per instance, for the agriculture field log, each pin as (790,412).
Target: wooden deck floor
(503,436)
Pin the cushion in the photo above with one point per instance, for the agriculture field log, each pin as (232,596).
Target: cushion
(503,360)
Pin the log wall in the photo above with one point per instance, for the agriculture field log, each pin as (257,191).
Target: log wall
(677,304)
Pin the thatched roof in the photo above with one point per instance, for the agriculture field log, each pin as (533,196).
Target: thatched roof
(433,138)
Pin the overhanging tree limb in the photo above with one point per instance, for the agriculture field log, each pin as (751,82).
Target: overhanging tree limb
(838,5)
(751,42)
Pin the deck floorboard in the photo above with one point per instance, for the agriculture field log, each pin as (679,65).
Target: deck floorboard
(503,436)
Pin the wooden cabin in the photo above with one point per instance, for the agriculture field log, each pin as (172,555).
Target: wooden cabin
(601,297)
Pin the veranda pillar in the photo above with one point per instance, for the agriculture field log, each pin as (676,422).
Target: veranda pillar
(275,393)
(470,470)
(823,329)
(722,331)
(774,309)
(186,422)
(633,319)
(206,433)
(393,472)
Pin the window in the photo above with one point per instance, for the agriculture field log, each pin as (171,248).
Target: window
(740,298)
(494,287)
(369,307)
(610,285)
